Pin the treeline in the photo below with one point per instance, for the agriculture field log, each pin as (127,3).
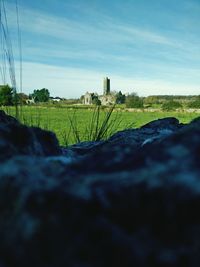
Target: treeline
(164,102)
(8,97)
(163,98)
(170,102)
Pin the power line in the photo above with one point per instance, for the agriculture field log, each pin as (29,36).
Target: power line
(20,45)
(8,47)
(8,51)
(3,57)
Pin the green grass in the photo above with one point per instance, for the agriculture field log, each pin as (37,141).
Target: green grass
(58,120)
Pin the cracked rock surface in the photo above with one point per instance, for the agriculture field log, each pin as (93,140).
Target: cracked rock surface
(132,200)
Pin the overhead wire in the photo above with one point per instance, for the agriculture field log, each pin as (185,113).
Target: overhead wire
(20,54)
(7,51)
(2,51)
(20,46)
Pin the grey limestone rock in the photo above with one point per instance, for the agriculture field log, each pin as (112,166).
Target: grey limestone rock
(151,132)
(118,204)
(18,139)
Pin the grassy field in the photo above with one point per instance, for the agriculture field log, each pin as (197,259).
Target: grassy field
(58,120)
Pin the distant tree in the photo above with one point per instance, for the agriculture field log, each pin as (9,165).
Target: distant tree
(6,95)
(120,98)
(82,99)
(22,98)
(195,103)
(150,100)
(171,105)
(95,100)
(41,95)
(134,101)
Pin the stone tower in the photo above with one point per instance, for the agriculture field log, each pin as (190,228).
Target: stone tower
(106,86)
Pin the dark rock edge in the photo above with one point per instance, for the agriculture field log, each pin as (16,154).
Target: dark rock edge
(132,200)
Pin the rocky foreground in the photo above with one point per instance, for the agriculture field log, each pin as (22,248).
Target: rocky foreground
(133,200)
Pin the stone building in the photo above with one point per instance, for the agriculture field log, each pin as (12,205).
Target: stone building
(87,100)
(106,86)
(108,98)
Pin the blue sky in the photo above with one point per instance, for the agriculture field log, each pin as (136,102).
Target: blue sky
(144,46)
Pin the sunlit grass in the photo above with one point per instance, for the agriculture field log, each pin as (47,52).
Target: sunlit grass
(58,120)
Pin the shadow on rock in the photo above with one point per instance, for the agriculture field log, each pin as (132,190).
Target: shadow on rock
(123,202)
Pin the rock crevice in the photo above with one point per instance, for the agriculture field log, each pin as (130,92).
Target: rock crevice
(132,200)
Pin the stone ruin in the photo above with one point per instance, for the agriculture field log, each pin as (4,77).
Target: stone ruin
(108,98)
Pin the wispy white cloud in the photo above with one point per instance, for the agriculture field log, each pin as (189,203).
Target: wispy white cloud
(135,57)
(144,34)
(107,31)
(108,38)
